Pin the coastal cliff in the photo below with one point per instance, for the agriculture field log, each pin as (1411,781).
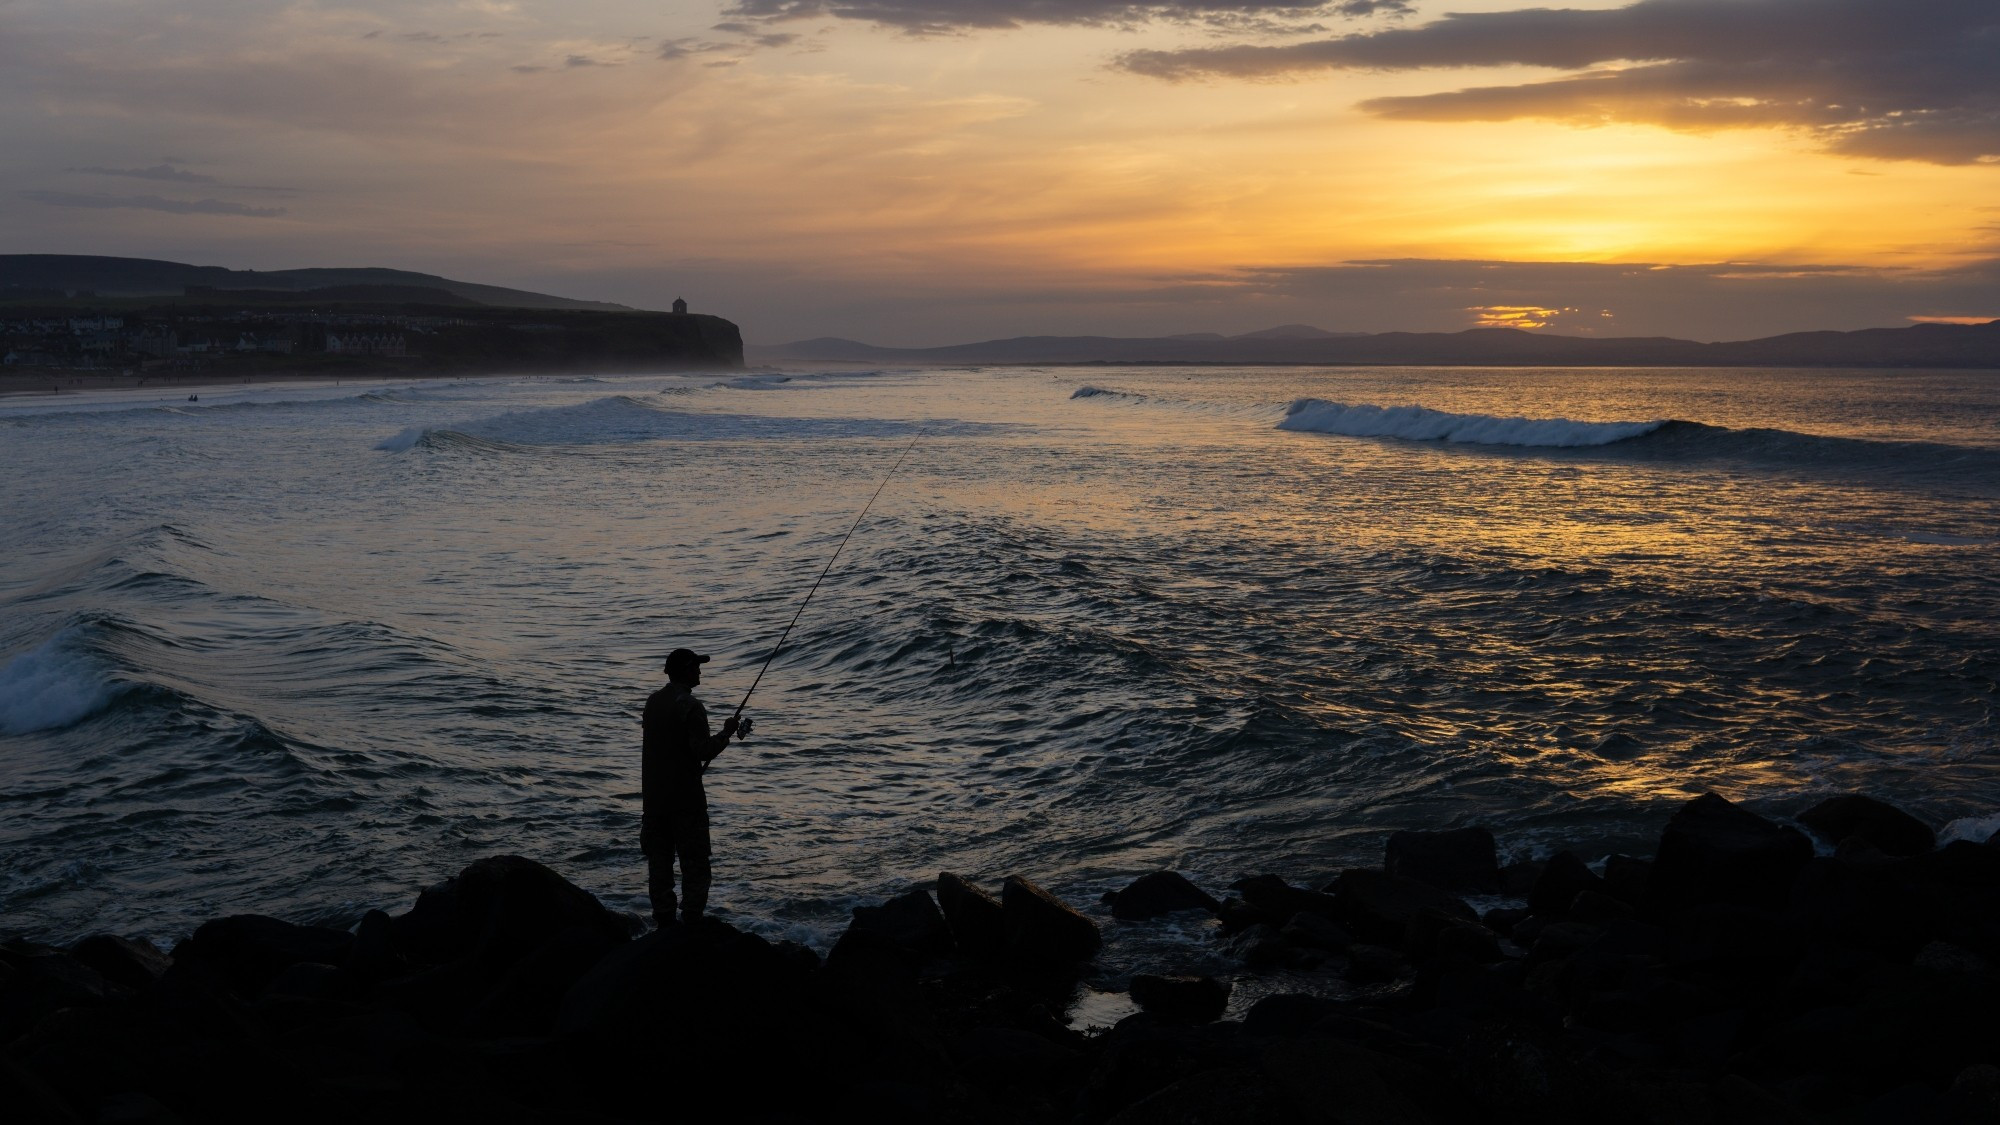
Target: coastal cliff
(1740,974)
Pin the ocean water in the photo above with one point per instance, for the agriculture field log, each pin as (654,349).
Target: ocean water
(304,650)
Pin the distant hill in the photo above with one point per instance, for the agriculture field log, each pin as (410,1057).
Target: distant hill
(1922,345)
(1294,332)
(37,276)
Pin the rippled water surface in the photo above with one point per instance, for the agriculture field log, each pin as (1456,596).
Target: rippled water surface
(300,651)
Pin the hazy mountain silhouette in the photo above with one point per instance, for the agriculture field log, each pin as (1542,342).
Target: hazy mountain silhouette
(1922,345)
(146,277)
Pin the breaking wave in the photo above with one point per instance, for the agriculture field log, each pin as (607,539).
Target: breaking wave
(625,419)
(51,685)
(1417,423)
(1088,391)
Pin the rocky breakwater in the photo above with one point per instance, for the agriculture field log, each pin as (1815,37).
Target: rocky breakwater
(1738,974)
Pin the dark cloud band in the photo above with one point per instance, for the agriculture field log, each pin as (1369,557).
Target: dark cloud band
(152,203)
(1892,79)
(937,16)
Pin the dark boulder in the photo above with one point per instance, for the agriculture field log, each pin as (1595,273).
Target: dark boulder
(911,922)
(1314,931)
(1716,851)
(373,955)
(1370,964)
(1288,1013)
(1376,906)
(1200,999)
(1737,940)
(1464,860)
(1279,900)
(1041,928)
(1162,892)
(977,920)
(1887,827)
(709,1001)
(1437,933)
(1261,947)
(248,951)
(36,980)
(129,962)
(497,911)
(1627,877)
(1349,1083)
(527,997)
(1214,1097)
(1563,878)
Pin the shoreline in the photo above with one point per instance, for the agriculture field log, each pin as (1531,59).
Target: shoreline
(1737,974)
(170,389)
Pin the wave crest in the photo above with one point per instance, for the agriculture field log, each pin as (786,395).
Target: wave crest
(52,685)
(1418,423)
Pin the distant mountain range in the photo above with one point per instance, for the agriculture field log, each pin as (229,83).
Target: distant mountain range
(40,276)
(1922,345)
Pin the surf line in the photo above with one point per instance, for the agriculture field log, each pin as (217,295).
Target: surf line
(827,570)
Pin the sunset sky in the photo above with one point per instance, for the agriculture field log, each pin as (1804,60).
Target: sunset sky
(933,171)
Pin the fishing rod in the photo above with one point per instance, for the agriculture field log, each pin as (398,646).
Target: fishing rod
(824,572)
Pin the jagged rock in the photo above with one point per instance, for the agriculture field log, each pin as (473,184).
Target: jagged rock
(1520,877)
(1975,1093)
(1236,914)
(1738,940)
(687,1003)
(1316,931)
(1502,919)
(1280,900)
(977,920)
(1563,878)
(1464,860)
(527,998)
(1713,850)
(1596,908)
(128,962)
(1349,1082)
(1887,827)
(247,951)
(1260,947)
(1944,957)
(1627,877)
(1214,1097)
(1042,928)
(1013,1062)
(43,979)
(497,911)
(1436,933)
(1866,906)
(1200,999)
(911,921)
(1376,907)
(1288,1013)
(1960,864)
(313,980)
(1161,892)
(373,955)
(1367,964)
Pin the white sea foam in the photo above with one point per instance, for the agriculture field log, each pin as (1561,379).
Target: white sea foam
(51,685)
(1419,423)
(1973,828)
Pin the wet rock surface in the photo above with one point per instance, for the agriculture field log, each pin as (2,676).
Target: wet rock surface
(1730,978)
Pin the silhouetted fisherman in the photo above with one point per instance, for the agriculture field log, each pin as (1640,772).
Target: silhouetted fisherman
(678,748)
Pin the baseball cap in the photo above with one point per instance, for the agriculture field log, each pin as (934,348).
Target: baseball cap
(684,658)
